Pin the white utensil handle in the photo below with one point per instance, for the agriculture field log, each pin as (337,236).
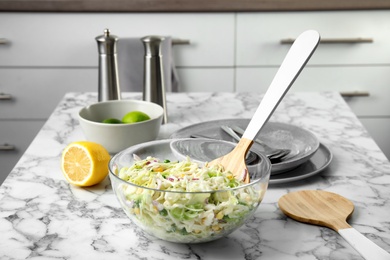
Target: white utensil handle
(368,249)
(296,58)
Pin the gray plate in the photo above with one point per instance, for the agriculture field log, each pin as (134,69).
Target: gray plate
(302,143)
(317,163)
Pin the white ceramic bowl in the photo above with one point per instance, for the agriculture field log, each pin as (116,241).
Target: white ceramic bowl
(116,137)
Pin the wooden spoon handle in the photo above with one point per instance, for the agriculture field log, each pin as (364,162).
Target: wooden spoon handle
(296,58)
(235,160)
(368,249)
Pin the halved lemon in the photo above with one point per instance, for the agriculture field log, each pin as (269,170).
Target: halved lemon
(85,163)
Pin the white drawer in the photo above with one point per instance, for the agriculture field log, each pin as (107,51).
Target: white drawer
(379,129)
(68,39)
(374,80)
(206,79)
(259,36)
(36,92)
(18,134)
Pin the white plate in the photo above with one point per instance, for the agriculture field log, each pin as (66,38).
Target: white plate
(302,143)
(317,163)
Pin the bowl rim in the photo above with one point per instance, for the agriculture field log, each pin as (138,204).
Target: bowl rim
(113,175)
(161,112)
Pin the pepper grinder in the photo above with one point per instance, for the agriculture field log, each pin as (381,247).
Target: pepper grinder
(154,86)
(108,67)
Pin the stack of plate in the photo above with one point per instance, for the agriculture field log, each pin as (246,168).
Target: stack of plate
(307,157)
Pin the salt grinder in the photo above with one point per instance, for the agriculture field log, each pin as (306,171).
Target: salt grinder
(108,67)
(154,86)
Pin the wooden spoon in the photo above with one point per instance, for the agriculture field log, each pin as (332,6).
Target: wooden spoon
(295,60)
(330,210)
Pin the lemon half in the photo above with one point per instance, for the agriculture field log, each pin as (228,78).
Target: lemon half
(85,163)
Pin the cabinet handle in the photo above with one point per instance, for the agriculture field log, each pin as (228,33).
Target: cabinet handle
(334,40)
(355,94)
(3,41)
(7,147)
(180,41)
(4,96)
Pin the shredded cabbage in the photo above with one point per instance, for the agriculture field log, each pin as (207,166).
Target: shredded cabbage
(183,202)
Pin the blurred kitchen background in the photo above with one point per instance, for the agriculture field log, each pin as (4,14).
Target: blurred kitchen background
(48,48)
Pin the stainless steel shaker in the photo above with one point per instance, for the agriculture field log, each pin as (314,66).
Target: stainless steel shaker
(109,88)
(154,86)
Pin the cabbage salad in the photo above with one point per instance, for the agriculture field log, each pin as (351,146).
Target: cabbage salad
(183,202)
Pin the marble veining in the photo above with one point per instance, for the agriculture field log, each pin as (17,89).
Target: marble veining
(44,217)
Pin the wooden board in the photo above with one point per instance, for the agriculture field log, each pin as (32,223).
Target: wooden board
(318,208)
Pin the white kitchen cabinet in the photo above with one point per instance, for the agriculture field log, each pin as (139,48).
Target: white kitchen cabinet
(347,66)
(45,55)
(374,80)
(207,79)
(49,54)
(373,110)
(18,135)
(35,92)
(259,37)
(379,129)
(68,39)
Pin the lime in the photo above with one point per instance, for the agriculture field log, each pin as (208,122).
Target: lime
(112,121)
(134,117)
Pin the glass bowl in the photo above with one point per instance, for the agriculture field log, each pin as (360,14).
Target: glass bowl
(187,217)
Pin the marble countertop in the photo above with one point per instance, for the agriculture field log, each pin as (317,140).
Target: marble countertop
(44,217)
